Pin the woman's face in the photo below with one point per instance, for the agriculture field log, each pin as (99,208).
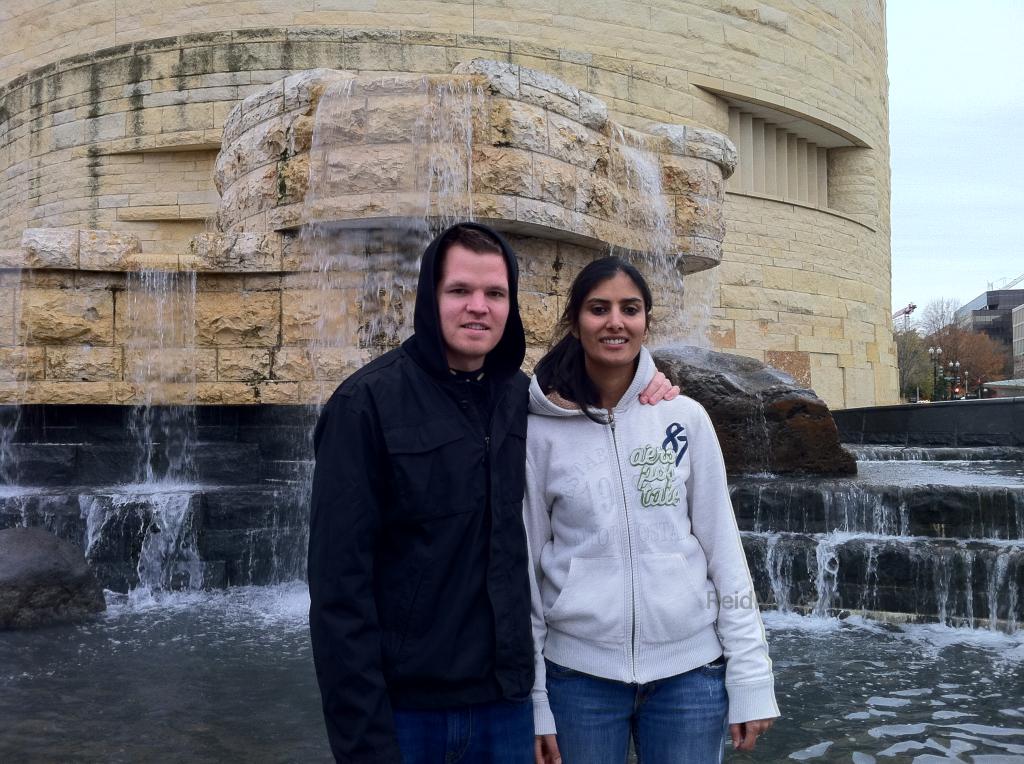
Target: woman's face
(612,323)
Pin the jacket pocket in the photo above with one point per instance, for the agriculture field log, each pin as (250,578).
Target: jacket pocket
(673,605)
(425,461)
(590,605)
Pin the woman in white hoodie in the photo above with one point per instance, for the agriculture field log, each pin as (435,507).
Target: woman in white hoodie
(644,616)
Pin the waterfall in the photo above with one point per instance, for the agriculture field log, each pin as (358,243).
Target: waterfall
(644,212)
(148,539)
(954,554)
(161,360)
(827,576)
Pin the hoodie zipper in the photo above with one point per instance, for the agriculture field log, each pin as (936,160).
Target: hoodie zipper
(629,550)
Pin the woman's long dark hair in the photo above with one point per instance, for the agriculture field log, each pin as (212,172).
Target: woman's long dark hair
(563,368)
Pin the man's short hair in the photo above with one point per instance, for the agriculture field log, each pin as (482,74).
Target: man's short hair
(472,239)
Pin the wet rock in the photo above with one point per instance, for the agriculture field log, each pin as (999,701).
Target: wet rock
(764,420)
(43,580)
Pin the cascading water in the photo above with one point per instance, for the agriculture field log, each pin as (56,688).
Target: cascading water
(10,417)
(928,540)
(364,271)
(643,210)
(160,349)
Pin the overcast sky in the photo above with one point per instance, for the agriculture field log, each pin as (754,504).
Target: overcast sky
(956,77)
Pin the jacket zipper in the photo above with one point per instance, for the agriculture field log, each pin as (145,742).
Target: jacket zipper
(629,550)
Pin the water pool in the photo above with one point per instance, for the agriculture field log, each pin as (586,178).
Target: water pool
(227,676)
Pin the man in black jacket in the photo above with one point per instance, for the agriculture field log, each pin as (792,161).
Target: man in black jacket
(419,591)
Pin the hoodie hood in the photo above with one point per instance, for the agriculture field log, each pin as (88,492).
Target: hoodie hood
(426,345)
(554,405)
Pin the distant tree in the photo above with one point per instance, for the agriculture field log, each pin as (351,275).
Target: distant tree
(983,357)
(937,317)
(915,368)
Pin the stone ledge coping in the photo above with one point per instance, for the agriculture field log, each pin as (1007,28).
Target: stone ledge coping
(110,251)
(805,205)
(159,143)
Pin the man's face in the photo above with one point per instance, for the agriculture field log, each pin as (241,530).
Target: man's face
(472,304)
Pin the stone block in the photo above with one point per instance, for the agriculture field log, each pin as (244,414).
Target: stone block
(278,392)
(292,364)
(240,319)
(597,195)
(237,252)
(146,366)
(345,118)
(83,364)
(300,135)
(225,392)
(50,248)
(392,119)
(572,142)
(57,316)
(550,101)
(683,175)
(557,180)
(540,315)
(593,112)
(502,77)
(338,362)
(493,207)
(243,364)
(65,392)
(107,250)
(11,258)
(503,171)
(362,169)
(306,88)
(548,83)
(519,125)
(21,364)
(189,116)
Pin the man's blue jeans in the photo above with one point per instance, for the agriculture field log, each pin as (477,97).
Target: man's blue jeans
(677,720)
(487,733)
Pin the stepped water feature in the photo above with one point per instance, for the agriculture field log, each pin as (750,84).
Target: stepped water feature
(906,539)
(239,519)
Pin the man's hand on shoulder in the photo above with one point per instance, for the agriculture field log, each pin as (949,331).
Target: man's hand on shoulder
(660,389)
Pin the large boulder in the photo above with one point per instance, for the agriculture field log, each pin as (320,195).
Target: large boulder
(44,580)
(764,420)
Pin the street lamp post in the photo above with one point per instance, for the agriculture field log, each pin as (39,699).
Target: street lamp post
(954,378)
(935,353)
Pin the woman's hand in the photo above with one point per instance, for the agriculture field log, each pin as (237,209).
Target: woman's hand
(744,735)
(660,389)
(545,750)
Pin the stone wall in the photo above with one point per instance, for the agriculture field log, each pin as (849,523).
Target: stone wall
(112,115)
(248,314)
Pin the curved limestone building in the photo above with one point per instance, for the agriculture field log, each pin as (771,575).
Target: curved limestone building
(115,119)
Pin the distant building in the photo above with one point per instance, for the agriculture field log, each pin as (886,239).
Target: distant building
(990,313)
(1006,388)
(1018,342)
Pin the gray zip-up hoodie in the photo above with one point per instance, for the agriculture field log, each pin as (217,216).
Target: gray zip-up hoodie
(638,572)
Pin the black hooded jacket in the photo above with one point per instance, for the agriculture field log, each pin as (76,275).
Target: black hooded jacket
(419,593)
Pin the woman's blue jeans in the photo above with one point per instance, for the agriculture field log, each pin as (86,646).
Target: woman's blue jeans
(677,720)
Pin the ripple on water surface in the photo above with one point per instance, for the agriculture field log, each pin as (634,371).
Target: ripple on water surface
(202,677)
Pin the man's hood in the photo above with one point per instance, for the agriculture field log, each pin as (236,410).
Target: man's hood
(426,345)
